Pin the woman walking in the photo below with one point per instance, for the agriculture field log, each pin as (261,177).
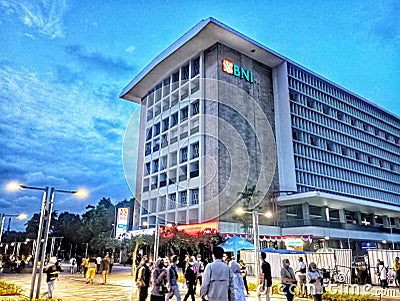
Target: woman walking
(190,277)
(288,278)
(159,281)
(237,281)
(314,278)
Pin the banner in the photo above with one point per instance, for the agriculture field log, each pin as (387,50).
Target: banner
(122,222)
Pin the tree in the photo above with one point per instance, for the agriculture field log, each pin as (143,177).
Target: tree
(246,198)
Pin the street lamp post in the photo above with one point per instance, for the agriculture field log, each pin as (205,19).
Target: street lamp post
(44,226)
(254,213)
(3,217)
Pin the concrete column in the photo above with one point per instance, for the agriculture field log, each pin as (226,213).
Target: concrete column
(397,222)
(306,213)
(386,221)
(342,216)
(324,215)
(373,221)
(358,218)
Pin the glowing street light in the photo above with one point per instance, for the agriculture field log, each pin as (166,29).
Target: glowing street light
(254,213)
(44,226)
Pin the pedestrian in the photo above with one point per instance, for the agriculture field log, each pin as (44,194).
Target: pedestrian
(199,267)
(190,276)
(78,263)
(288,278)
(383,271)
(396,268)
(301,274)
(91,272)
(172,277)
(243,272)
(105,266)
(98,262)
(159,281)
(217,279)
(111,263)
(52,270)
(143,280)
(72,263)
(237,281)
(85,266)
(266,276)
(314,278)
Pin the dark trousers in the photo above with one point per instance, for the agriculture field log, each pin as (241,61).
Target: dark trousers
(317,297)
(191,292)
(288,290)
(143,293)
(245,284)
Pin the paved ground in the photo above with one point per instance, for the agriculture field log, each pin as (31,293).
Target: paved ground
(119,287)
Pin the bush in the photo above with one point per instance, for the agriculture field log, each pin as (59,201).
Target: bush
(9,289)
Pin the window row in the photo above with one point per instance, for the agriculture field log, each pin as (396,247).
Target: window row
(171,159)
(179,77)
(390,174)
(306,119)
(167,103)
(347,175)
(341,99)
(175,200)
(172,120)
(309,182)
(171,177)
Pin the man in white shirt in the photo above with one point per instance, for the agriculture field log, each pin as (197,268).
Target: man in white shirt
(301,274)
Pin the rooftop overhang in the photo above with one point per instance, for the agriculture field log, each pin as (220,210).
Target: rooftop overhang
(203,35)
(317,198)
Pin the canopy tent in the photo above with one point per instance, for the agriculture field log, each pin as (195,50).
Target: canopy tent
(236,244)
(281,251)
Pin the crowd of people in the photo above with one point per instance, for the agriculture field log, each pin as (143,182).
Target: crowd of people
(222,279)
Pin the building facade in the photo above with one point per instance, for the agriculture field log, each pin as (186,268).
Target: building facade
(221,113)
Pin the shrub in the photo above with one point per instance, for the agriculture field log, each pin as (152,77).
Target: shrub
(9,289)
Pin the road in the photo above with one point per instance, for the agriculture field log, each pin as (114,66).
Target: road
(119,287)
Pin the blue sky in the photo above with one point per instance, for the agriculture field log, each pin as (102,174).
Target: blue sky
(64,63)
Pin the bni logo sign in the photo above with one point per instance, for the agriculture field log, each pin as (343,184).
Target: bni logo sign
(231,68)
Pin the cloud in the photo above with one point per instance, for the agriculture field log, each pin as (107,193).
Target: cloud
(97,61)
(61,135)
(130,49)
(44,16)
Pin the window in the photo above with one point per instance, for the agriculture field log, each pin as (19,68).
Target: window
(174,119)
(147,168)
(147,149)
(330,146)
(195,150)
(175,80)
(314,141)
(195,108)
(184,113)
(149,133)
(163,179)
(155,165)
(172,201)
(156,145)
(195,67)
(296,135)
(158,92)
(311,103)
(344,151)
(165,124)
(194,198)
(185,72)
(166,86)
(157,129)
(164,140)
(184,154)
(194,169)
(182,198)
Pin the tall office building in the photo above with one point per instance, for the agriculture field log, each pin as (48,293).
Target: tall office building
(221,113)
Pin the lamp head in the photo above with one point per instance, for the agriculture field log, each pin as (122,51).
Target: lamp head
(240,211)
(81,193)
(13,186)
